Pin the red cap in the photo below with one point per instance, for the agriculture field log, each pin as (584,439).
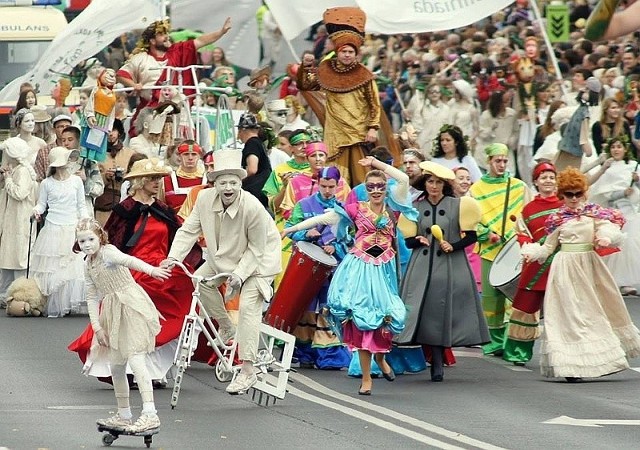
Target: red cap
(543,167)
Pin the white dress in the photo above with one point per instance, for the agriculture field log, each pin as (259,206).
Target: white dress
(468,162)
(55,267)
(128,316)
(587,329)
(608,191)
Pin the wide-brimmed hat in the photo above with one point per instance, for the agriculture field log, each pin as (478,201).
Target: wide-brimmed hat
(442,172)
(59,156)
(464,88)
(151,167)
(259,73)
(40,113)
(228,162)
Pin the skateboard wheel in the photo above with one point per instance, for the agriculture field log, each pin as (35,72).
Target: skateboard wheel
(107,439)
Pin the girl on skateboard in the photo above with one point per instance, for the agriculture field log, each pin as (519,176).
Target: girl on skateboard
(124,320)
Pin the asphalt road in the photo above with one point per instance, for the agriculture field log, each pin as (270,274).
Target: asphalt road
(46,403)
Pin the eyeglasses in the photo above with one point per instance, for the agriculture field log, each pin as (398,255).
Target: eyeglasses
(573,194)
(282,113)
(376,187)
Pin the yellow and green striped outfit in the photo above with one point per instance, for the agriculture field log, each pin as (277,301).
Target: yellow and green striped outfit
(491,193)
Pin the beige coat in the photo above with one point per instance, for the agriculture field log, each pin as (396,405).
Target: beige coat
(17,199)
(243,239)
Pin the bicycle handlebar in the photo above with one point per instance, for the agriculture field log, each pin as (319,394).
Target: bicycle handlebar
(198,277)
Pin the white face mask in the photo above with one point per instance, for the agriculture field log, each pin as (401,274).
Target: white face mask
(28,123)
(228,187)
(278,117)
(88,242)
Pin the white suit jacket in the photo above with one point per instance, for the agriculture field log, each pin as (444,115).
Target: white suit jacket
(243,239)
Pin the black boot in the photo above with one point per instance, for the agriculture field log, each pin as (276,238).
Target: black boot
(437,363)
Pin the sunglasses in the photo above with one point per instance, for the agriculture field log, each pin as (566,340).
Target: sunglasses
(376,187)
(573,194)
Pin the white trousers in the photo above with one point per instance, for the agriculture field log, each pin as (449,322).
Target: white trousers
(254,292)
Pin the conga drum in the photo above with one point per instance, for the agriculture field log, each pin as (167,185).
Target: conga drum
(506,268)
(308,269)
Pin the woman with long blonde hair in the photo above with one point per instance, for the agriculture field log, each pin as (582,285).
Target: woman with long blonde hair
(611,124)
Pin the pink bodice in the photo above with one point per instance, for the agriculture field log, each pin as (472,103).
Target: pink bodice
(372,230)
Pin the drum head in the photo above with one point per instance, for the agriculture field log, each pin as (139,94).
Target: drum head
(507,265)
(316,253)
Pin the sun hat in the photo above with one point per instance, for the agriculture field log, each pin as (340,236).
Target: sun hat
(440,171)
(151,167)
(40,113)
(59,156)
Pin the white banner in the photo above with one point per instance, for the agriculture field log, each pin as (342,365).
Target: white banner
(411,16)
(94,29)
(388,16)
(294,17)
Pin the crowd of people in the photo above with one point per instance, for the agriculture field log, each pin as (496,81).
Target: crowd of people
(425,164)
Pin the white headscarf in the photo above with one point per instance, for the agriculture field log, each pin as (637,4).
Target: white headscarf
(17,148)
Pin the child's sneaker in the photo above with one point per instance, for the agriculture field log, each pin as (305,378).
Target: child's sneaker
(116,422)
(144,423)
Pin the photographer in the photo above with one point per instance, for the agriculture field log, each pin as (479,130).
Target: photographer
(113,172)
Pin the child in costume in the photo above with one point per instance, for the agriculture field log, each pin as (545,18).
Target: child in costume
(125,325)
(56,269)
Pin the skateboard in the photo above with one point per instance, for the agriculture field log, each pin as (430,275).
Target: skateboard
(111,434)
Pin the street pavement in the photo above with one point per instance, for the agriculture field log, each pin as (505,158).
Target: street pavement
(485,403)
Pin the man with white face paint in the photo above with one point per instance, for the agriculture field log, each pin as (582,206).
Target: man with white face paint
(242,239)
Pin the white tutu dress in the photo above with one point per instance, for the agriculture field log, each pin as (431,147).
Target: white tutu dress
(56,268)
(128,316)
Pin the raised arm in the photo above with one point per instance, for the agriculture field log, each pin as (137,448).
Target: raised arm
(328,218)
(402,188)
(212,37)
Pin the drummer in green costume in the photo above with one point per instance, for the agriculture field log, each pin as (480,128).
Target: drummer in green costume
(500,196)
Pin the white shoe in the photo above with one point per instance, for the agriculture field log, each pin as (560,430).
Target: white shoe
(144,423)
(241,383)
(116,422)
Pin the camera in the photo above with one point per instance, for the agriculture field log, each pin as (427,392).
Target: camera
(118,174)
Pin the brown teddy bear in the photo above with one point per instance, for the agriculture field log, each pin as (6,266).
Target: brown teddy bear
(25,299)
